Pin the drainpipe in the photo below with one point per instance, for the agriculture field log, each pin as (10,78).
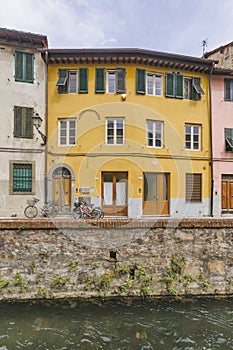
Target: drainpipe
(211,148)
(46,130)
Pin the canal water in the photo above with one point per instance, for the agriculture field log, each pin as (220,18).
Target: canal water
(200,324)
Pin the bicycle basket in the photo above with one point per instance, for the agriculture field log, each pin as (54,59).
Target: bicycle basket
(32,201)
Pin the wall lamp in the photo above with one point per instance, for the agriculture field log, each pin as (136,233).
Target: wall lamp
(37,121)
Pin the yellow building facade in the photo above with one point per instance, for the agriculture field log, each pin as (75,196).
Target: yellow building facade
(129,130)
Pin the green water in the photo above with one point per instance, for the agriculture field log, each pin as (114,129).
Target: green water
(204,324)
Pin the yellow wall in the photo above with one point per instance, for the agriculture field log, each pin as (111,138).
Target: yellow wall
(172,158)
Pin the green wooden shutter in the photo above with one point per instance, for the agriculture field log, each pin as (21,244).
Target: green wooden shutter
(120,80)
(18,66)
(179,86)
(83,80)
(170,84)
(28,123)
(100,80)
(29,69)
(62,82)
(17,121)
(140,81)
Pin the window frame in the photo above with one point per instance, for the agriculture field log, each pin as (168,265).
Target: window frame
(228,139)
(193,187)
(107,136)
(11,173)
(228,95)
(25,76)
(23,116)
(63,81)
(67,121)
(154,139)
(154,89)
(192,134)
(119,80)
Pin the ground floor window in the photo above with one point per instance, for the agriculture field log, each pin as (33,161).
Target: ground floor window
(193,187)
(22,175)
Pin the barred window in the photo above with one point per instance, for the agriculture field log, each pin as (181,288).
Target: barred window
(193,187)
(22,177)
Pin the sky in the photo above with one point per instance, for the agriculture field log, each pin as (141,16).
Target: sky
(175,26)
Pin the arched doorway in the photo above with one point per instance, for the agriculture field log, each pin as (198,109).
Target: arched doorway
(61,193)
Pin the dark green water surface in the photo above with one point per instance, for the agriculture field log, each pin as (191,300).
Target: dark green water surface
(204,324)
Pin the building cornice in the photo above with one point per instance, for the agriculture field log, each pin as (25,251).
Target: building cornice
(129,56)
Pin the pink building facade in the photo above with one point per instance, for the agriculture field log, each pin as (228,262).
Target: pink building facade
(222,141)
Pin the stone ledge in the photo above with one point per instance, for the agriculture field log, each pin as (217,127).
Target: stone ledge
(60,223)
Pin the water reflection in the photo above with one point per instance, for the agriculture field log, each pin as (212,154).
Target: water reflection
(204,324)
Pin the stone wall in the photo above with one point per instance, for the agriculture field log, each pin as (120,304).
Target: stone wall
(106,258)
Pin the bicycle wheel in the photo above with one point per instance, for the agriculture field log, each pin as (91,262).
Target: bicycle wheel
(96,213)
(31,211)
(77,213)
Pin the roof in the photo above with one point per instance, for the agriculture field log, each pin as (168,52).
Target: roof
(222,71)
(11,36)
(129,55)
(207,54)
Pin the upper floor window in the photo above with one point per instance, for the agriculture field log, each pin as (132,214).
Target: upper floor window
(179,86)
(24,67)
(228,139)
(23,122)
(72,81)
(193,137)
(114,131)
(148,82)
(22,177)
(228,89)
(154,131)
(154,84)
(110,80)
(193,187)
(67,132)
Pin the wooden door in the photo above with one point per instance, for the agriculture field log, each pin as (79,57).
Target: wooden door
(62,189)
(156,194)
(227,195)
(115,193)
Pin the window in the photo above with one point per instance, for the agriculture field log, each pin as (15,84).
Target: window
(22,175)
(72,81)
(193,187)
(154,132)
(228,139)
(114,131)
(228,89)
(23,126)
(116,81)
(192,88)
(154,84)
(24,67)
(179,86)
(67,132)
(192,137)
(148,83)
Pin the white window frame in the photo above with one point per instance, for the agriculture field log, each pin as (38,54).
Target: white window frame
(154,84)
(110,72)
(192,134)
(114,120)
(154,123)
(69,80)
(187,88)
(68,129)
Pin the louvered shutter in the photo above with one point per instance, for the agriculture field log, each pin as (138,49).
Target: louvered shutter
(100,80)
(170,84)
(83,81)
(193,187)
(227,88)
(28,123)
(140,81)
(18,65)
(120,80)
(29,70)
(17,121)
(62,81)
(179,86)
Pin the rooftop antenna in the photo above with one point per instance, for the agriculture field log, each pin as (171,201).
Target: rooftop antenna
(204,45)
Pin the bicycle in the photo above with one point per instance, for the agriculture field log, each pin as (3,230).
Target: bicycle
(32,209)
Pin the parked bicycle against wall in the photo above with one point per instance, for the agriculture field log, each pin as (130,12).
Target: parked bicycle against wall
(32,209)
(84,210)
